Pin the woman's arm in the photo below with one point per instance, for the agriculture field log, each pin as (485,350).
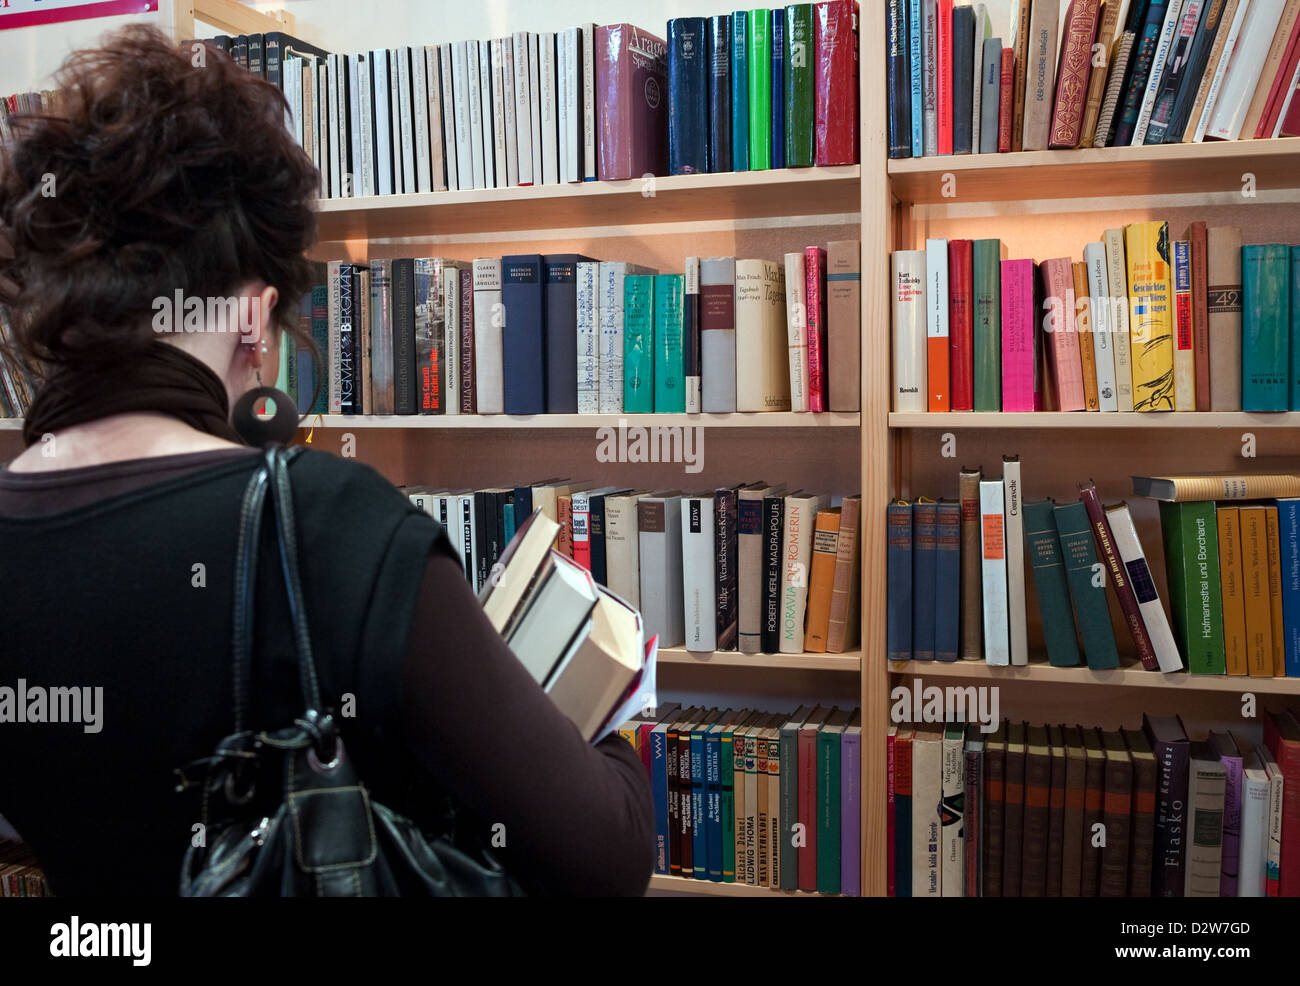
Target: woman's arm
(577,817)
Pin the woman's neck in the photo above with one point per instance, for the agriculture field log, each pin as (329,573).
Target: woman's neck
(117,438)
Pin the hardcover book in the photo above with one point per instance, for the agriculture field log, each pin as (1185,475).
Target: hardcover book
(631,108)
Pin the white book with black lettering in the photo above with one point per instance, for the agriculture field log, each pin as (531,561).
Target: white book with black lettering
(1144,587)
(450,289)
(1014,533)
(338,134)
(450,118)
(468,544)
(379,130)
(426,105)
(489,320)
(801,509)
(699,594)
(562,112)
(521,60)
(588,303)
(474,102)
(1252,861)
(622,546)
(355,64)
(659,533)
(908,285)
(490,177)
(497,59)
(406,112)
(510,103)
(548,108)
(1116,299)
(535,104)
(1103,347)
(993,551)
(796,330)
(609,309)
(587,39)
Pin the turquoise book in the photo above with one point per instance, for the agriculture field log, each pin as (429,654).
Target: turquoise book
(1265,327)
(669,374)
(1295,328)
(1079,556)
(638,344)
(740,90)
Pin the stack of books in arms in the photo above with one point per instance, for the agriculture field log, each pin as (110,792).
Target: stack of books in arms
(20,874)
(585,103)
(1014,812)
(744,796)
(752,568)
(1141,323)
(564,333)
(1104,74)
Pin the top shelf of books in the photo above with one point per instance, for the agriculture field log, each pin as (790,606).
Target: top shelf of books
(1157,169)
(650,200)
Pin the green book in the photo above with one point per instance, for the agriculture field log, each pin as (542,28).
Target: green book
(638,344)
(1295,329)
(828,801)
(1044,546)
(1087,586)
(986,279)
(789,747)
(760,90)
(1191,539)
(727,793)
(1266,358)
(669,374)
(800,68)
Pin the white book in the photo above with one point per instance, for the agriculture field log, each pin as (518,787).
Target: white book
(522,51)
(452,133)
(796,562)
(1252,858)
(952,845)
(1248,58)
(497,60)
(1286,103)
(1103,344)
(510,102)
(1144,587)
(490,177)
(557,611)
(927,796)
(993,553)
(377,104)
(547,108)
(796,326)
(1014,535)
(718,334)
(908,279)
(622,547)
(1116,304)
(489,320)
(355,64)
(609,311)
(395,114)
(588,64)
(451,339)
(474,108)
(1221,69)
(428,114)
(404,107)
(1159,66)
(982,29)
(936,296)
(1276,788)
(659,532)
(699,595)
(562,113)
(292,102)
(324,128)
(1184,349)
(572,131)
(588,337)
(338,134)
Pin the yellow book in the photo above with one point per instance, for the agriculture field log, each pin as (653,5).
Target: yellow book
(1254,584)
(1151,325)
(1234,602)
(826,537)
(1083,326)
(1271,530)
(773,734)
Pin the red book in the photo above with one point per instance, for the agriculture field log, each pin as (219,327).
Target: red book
(943,96)
(1282,737)
(1277,93)
(961,326)
(1200,313)
(1078,32)
(1060,339)
(631,111)
(580,528)
(814,269)
(891,769)
(1006,89)
(807,811)
(1291,122)
(835,83)
(1119,577)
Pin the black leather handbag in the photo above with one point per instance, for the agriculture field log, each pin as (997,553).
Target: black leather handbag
(284,812)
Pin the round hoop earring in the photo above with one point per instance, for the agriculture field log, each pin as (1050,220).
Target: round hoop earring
(258,432)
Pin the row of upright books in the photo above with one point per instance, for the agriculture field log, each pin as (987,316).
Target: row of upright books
(1141,323)
(534,334)
(745,796)
(1103,74)
(752,568)
(20,873)
(1016,812)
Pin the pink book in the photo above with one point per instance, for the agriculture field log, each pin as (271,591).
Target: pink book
(1018,361)
(814,277)
(1059,337)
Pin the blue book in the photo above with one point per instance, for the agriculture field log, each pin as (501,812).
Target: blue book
(925,519)
(508,521)
(914,76)
(659,792)
(561,332)
(523,338)
(1295,328)
(899,85)
(947,580)
(719,144)
(523,502)
(1265,327)
(1135,86)
(776,42)
(713,796)
(699,824)
(740,91)
(1288,536)
(898,620)
(688,96)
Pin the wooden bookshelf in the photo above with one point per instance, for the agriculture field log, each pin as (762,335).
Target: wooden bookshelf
(769,419)
(850,662)
(1130,675)
(707,888)
(1044,420)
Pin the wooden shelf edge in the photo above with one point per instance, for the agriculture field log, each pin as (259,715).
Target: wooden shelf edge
(1132,676)
(850,661)
(708,888)
(1084,420)
(763,419)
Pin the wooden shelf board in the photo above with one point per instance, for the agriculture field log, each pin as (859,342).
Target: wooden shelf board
(677,884)
(1042,420)
(677,198)
(1131,675)
(848,662)
(767,419)
(11,424)
(1214,166)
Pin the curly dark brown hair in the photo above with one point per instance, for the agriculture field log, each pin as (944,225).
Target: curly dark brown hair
(166,174)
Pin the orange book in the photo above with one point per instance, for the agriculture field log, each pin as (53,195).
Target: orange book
(821,579)
(1083,326)
(1254,585)
(1234,601)
(1275,590)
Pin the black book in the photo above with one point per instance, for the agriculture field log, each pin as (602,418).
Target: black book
(360,381)
(239,50)
(963,69)
(406,390)
(256,61)
(350,404)
(561,299)
(222,41)
(718,150)
(898,78)
(1197,62)
(773,528)
(726,567)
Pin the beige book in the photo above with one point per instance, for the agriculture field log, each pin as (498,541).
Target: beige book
(844,323)
(1223,272)
(927,797)
(843,633)
(1272,65)
(588,685)
(622,546)
(1020,24)
(1110,11)
(796,326)
(751,800)
(739,788)
(762,832)
(1117,316)
(762,366)
(1040,81)
(1189,487)
(1226,16)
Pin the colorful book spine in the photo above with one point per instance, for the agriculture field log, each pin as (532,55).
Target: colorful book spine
(943,96)
(997,645)
(814,269)
(1265,327)
(776,47)
(740,90)
(799,72)
(1150,315)
(1059,327)
(1119,578)
(1191,543)
(638,343)
(947,581)
(760,89)
(961,330)
(631,113)
(1050,581)
(1079,556)
(688,96)
(899,86)
(925,519)
(835,83)
(1019,352)
(936,325)
(986,278)
(1078,34)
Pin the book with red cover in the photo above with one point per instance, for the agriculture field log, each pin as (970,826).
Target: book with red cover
(1142,857)
(1291,122)
(900,845)
(814,267)
(1006,93)
(1055,812)
(973,809)
(961,326)
(943,96)
(995,754)
(1020,379)
(1013,810)
(1277,92)
(1094,790)
(807,812)
(1076,766)
(1119,577)
(1200,312)
(1078,31)
(631,103)
(1282,737)
(1061,342)
(891,772)
(1038,792)
(1117,811)
(835,83)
